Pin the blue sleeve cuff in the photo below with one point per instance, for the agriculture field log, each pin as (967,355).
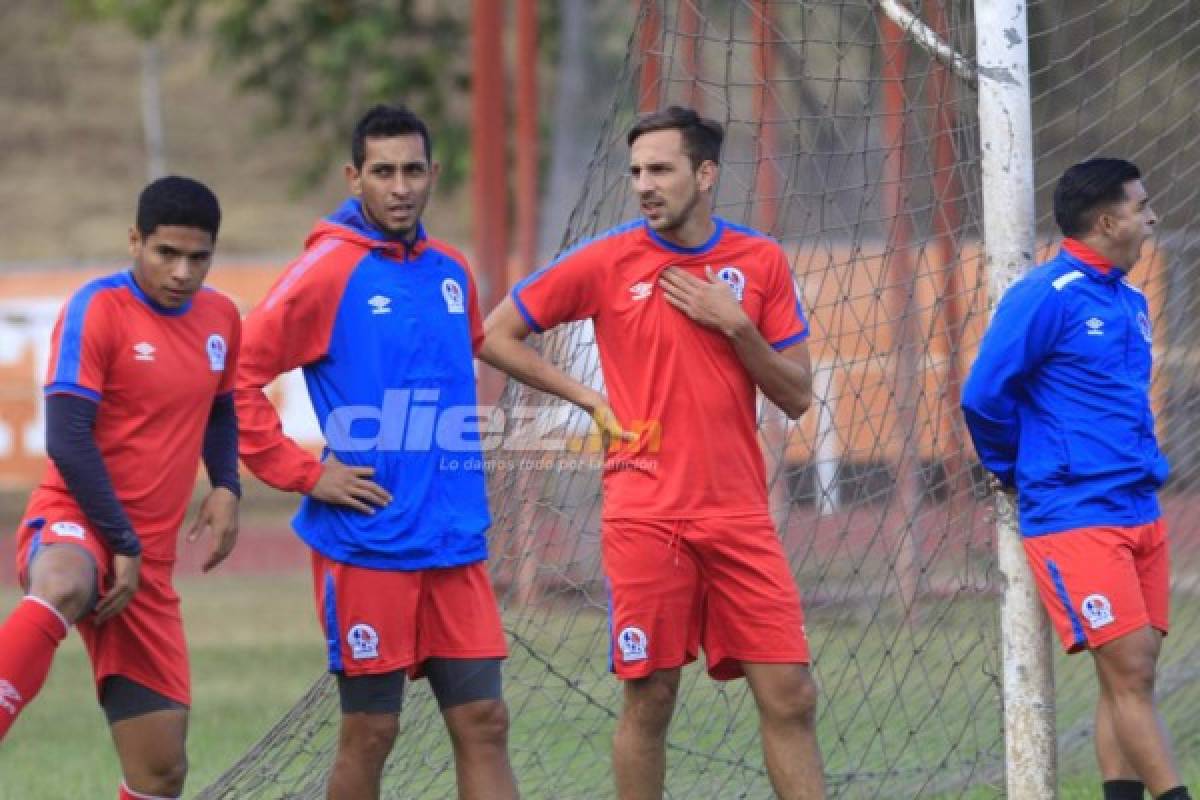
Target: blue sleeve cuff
(529,320)
(783,344)
(63,387)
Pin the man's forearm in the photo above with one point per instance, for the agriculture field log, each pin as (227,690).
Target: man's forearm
(220,449)
(72,447)
(785,382)
(274,459)
(526,365)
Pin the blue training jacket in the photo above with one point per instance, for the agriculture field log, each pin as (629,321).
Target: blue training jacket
(385,333)
(1058,400)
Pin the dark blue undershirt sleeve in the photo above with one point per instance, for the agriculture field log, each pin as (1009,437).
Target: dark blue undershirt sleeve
(71,445)
(221,445)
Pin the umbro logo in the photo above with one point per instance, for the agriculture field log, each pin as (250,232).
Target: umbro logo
(143,351)
(380,304)
(1095,326)
(641,291)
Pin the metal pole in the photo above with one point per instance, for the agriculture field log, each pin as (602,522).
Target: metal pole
(905,363)
(1002,44)
(650,46)
(526,144)
(766,117)
(489,179)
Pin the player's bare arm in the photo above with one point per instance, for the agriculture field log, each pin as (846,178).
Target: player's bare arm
(219,516)
(785,377)
(504,348)
(344,485)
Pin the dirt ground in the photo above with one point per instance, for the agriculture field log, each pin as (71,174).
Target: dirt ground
(72,157)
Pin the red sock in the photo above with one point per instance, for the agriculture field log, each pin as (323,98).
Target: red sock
(129,794)
(28,639)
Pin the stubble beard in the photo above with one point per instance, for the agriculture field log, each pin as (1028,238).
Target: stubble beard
(671,223)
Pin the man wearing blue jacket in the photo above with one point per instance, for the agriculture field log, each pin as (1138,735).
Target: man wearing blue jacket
(1058,406)
(384,321)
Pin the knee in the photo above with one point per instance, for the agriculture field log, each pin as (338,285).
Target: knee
(162,778)
(649,705)
(795,705)
(1136,677)
(369,735)
(480,723)
(69,590)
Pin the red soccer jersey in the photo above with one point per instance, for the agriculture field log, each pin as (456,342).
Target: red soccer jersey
(678,384)
(154,373)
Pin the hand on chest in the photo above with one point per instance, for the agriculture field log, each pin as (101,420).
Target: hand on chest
(638,295)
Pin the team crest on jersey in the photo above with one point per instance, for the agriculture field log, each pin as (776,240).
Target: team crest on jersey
(1144,327)
(70,530)
(452,293)
(1097,610)
(216,350)
(143,351)
(633,643)
(735,280)
(10,698)
(363,641)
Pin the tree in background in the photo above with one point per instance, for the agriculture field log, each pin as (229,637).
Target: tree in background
(321,62)
(146,20)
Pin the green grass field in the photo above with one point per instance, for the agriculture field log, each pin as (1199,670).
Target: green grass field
(255,649)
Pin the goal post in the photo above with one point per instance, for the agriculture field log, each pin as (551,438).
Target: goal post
(1009,235)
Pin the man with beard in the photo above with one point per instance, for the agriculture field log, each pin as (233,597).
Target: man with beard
(692,315)
(383,320)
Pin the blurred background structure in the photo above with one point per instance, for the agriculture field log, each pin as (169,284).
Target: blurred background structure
(846,141)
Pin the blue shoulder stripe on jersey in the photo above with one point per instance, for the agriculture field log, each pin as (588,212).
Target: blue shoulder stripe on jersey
(333,637)
(70,343)
(746,229)
(1060,588)
(624,227)
(675,248)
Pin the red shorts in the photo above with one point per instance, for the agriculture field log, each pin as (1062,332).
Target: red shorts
(379,621)
(723,583)
(1100,583)
(145,642)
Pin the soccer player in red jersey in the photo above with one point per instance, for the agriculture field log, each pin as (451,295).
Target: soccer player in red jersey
(692,315)
(384,319)
(139,388)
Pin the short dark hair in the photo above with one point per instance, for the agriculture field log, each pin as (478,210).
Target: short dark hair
(176,200)
(701,137)
(1088,187)
(384,122)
